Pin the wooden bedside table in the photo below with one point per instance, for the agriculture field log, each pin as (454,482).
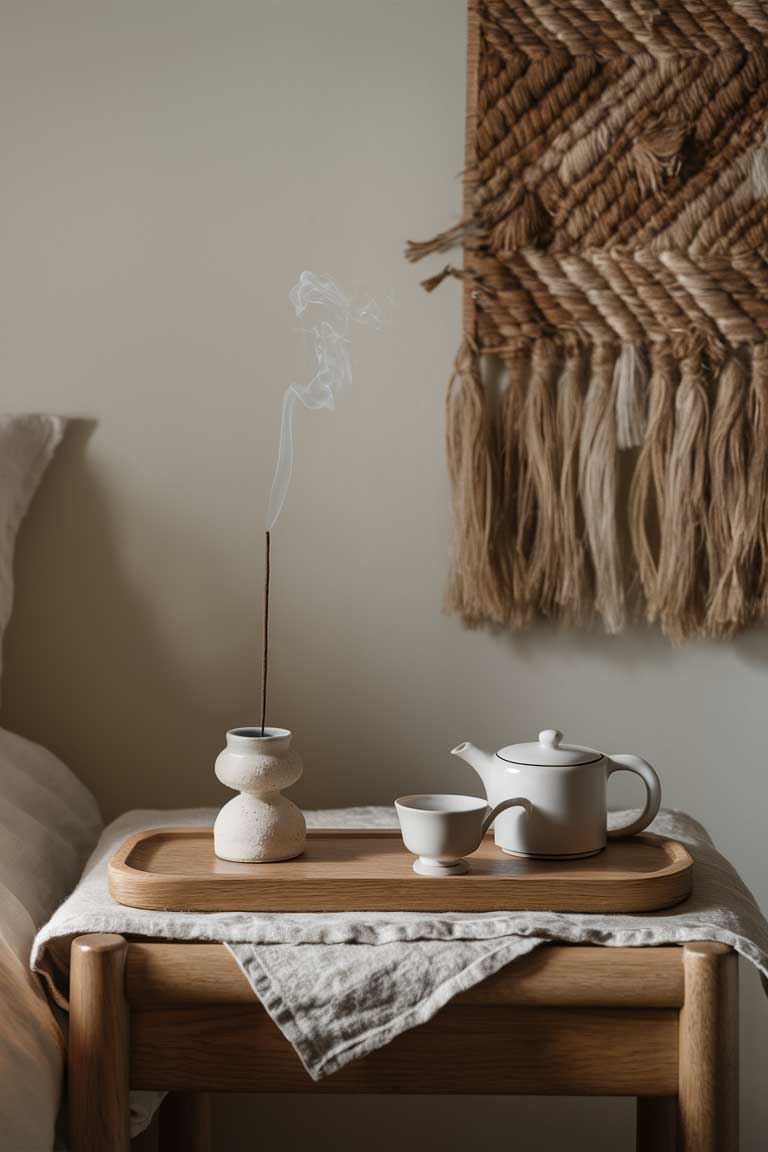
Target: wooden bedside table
(656,1023)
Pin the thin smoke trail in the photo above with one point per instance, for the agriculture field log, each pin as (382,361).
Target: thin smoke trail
(332,351)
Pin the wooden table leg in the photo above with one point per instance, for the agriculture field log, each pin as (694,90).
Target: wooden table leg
(98,1064)
(656,1123)
(185,1122)
(709,1068)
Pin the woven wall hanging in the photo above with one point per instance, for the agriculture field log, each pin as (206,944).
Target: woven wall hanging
(608,415)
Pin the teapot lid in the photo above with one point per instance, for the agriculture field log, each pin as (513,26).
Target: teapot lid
(549,750)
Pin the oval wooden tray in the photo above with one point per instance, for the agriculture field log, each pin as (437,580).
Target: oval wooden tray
(175,869)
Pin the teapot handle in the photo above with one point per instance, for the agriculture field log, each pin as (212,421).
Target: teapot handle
(628,763)
(517,802)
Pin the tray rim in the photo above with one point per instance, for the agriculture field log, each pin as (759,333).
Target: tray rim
(680,860)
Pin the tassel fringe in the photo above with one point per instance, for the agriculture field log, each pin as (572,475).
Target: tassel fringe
(512,566)
(631,385)
(538,528)
(416,250)
(575,599)
(757,483)
(474,589)
(730,539)
(539,510)
(597,486)
(647,492)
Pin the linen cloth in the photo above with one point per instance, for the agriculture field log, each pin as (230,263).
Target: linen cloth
(340,985)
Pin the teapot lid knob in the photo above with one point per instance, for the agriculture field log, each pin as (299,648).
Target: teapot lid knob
(550,738)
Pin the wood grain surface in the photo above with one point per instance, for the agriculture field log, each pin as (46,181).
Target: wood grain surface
(98,1045)
(656,1023)
(709,1050)
(464,1048)
(176,869)
(554,975)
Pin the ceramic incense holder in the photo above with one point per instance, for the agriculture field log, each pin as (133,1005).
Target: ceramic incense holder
(260,824)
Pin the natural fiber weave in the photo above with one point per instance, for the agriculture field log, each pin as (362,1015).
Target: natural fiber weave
(616,261)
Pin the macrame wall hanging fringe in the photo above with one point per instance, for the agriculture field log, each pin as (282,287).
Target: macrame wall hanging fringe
(615,235)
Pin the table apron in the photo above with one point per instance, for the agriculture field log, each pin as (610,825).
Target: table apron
(465,1048)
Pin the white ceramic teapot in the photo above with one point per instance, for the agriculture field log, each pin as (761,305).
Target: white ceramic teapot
(566,787)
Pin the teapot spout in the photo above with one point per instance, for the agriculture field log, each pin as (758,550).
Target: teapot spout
(482,762)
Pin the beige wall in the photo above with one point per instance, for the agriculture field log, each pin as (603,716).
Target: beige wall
(168,169)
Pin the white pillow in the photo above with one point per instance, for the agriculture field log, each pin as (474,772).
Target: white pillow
(27,444)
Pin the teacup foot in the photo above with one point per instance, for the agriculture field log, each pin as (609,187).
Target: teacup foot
(434,868)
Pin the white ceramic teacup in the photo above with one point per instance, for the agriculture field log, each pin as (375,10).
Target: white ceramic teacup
(442,829)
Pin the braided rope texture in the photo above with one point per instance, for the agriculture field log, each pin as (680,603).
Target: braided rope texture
(616,242)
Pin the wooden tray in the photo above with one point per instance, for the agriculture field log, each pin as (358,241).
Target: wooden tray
(370,870)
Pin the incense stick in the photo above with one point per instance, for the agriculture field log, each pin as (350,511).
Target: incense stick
(265,638)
